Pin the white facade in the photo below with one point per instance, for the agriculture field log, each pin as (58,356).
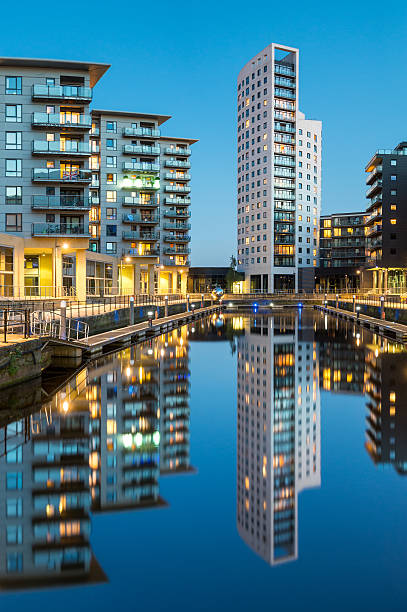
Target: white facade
(269,193)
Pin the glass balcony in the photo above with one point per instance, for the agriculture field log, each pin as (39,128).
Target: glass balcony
(176,163)
(69,148)
(177,201)
(138,253)
(58,175)
(142,132)
(61,92)
(141,183)
(374,174)
(59,120)
(141,236)
(178,151)
(136,218)
(177,226)
(178,238)
(284,128)
(280,160)
(283,195)
(283,82)
(60,229)
(141,166)
(284,172)
(141,150)
(173,262)
(377,185)
(177,176)
(177,250)
(180,214)
(137,201)
(284,69)
(284,93)
(178,188)
(61,202)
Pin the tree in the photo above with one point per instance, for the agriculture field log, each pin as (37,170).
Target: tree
(233,262)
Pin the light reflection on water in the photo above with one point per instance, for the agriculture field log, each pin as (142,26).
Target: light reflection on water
(107,439)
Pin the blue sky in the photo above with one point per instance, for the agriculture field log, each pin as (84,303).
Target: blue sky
(182,59)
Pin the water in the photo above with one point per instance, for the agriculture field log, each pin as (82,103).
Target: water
(239,463)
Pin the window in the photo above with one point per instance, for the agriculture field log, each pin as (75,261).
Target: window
(393,206)
(111,247)
(14,534)
(13,113)
(14,506)
(393,162)
(13,85)
(111,230)
(111,162)
(50,82)
(393,221)
(14,196)
(111,178)
(13,167)
(14,481)
(111,144)
(111,126)
(393,177)
(111,213)
(14,562)
(13,140)
(14,222)
(111,196)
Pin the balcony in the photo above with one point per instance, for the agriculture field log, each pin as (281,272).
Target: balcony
(177,214)
(61,92)
(177,226)
(284,172)
(374,230)
(284,82)
(59,121)
(176,251)
(141,150)
(141,166)
(179,238)
(173,262)
(146,219)
(284,69)
(177,151)
(68,149)
(284,93)
(283,195)
(59,229)
(176,163)
(178,188)
(376,216)
(57,175)
(137,253)
(142,132)
(141,236)
(375,173)
(375,188)
(284,116)
(43,202)
(177,176)
(137,201)
(280,160)
(141,183)
(289,129)
(177,201)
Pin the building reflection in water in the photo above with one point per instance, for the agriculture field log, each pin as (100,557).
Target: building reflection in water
(278,430)
(99,445)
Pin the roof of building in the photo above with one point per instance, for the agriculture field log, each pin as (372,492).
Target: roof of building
(95,70)
(344,214)
(175,139)
(115,113)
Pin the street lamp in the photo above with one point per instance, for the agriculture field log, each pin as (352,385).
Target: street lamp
(357,312)
(150,318)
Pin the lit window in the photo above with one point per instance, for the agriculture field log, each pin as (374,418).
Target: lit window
(393,221)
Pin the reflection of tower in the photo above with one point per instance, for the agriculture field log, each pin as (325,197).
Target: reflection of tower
(172,351)
(45,477)
(278,450)
(386,386)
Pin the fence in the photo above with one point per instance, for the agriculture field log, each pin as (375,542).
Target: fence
(54,325)
(14,322)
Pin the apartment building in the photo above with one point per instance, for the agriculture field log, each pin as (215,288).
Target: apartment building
(279,176)
(278,431)
(386,222)
(95,202)
(342,251)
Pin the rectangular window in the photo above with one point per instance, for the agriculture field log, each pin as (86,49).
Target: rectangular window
(111,213)
(14,196)
(111,178)
(50,82)
(111,126)
(13,140)
(111,162)
(14,562)
(111,247)
(14,506)
(14,113)
(111,196)
(14,222)
(111,144)
(13,85)
(14,534)
(13,167)
(111,230)
(14,481)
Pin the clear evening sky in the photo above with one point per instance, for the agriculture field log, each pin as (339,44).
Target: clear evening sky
(182,59)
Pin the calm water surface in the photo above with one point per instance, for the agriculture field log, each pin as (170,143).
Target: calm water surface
(243,463)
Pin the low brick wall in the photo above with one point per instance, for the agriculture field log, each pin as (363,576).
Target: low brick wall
(22,361)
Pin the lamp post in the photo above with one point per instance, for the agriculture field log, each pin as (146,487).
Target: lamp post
(150,315)
(354,303)
(357,312)
(337,301)
(382,312)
